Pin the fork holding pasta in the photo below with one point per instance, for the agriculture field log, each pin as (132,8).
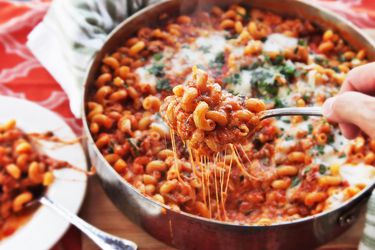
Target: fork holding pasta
(208,117)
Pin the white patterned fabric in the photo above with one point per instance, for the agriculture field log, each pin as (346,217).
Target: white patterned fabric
(70,34)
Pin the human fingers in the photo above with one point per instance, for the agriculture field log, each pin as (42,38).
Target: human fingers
(352,110)
(361,79)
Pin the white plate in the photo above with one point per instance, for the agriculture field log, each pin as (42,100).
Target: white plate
(45,227)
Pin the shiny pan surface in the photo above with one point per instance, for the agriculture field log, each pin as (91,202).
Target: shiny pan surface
(187,231)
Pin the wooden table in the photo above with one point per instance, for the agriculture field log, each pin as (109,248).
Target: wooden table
(99,211)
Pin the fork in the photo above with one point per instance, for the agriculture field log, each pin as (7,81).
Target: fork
(309,111)
(102,239)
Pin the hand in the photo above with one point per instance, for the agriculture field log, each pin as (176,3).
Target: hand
(354,107)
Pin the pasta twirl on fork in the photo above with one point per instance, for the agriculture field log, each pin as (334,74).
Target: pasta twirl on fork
(207,116)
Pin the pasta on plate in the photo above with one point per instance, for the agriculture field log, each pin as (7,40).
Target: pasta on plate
(290,168)
(25,174)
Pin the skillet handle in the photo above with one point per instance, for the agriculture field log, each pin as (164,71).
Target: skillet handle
(347,218)
(350,215)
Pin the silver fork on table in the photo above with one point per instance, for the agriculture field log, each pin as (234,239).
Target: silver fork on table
(104,240)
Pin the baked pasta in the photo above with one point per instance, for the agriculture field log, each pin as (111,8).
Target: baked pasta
(292,167)
(24,175)
(210,118)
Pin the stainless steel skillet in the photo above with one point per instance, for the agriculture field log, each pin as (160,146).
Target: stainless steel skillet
(186,231)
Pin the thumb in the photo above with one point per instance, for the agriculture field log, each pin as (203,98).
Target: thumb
(353,111)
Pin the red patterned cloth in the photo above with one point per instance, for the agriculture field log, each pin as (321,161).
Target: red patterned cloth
(22,76)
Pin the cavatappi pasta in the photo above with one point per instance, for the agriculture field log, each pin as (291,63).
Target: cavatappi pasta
(292,167)
(24,176)
(210,118)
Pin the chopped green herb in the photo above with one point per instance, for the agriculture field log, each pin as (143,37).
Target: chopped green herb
(321,60)
(219,61)
(163,84)
(310,128)
(305,117)
(205,48)
(133,145)
(278,60)
(278,103)
(220,58)
(233,79)
(331,139)
(342,58)
(336,69)
(300,72)
(306,97)
(288,70)
(286,121)
(254,65)
(257,144)
(289,138)
(267,59)
(322,169)
(264,80)
(265,71)
(246,17)
(343,155)
(320,149)
(158,56)
(295,181)
(302,42)
(157,70)
(306,170)
(295,51)
(231,36)
(232,92)
(111,147)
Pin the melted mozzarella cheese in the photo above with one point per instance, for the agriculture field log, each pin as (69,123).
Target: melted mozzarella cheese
(335,200)
(159,124)
(185,58)
(244,86)
(292,129)
(145,76)
(215,43)
(307,87)
(358,174)
(354,174)
(278,42)
(287,96)
(237,51)
(204,50)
